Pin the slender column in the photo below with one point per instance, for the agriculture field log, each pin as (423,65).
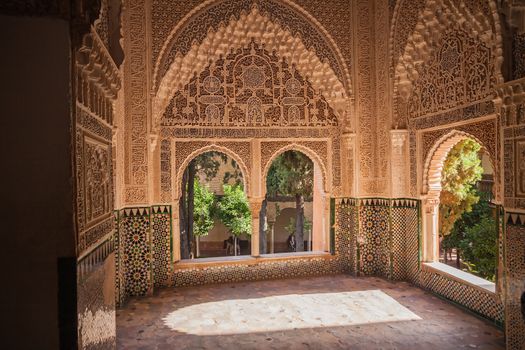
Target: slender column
(430,230)
(255,207)
(348,161)
(272,236)
(176,230)
(399,169)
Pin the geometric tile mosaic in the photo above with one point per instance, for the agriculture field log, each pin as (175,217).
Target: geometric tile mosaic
(346,234)
(482,302)
(515,280)
(134,229)
(161,245)
(277,269)
(120,287)
(405,239)
(374,238)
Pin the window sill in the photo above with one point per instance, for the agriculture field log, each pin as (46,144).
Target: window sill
(460,276)
(248,260)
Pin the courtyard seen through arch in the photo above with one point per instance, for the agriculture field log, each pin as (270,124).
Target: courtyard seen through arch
(284,174)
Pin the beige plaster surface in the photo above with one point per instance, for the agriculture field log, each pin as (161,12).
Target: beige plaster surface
(331,312)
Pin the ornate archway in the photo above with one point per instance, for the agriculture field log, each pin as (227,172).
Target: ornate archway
(431,189)
(303,43)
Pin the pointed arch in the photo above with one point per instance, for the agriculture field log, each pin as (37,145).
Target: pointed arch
(314,157)
(435,160)
(317,59)
(179,171)
(415,39)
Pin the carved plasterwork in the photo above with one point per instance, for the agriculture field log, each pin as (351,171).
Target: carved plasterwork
(399,162)
(98,179)
(469,44)
(460,71)
(96,86)
(256,25)
(102,23)
(249,87)
(370,23)
(136,109)
(484,131)
(520,169)
(511,106)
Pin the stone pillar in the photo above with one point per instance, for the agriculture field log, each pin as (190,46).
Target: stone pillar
(272,236)
(255,207)
(154,168)
(348,178)
(320,217)
(175,224)
(430,230)
(400,163)
(135,77)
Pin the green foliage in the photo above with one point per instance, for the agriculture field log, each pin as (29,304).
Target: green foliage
(233,210)
(461,171)
(234,176)
(291,173)
(208,163)
(203,209)
(479,248)
(475,236)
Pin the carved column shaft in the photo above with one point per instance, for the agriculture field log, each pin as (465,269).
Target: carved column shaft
(255,207)
(430,221)
(348,159)
(399,163)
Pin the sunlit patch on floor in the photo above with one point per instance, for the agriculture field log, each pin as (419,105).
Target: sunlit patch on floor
(285,312)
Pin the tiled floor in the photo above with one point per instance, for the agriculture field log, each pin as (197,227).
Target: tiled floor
(330,312)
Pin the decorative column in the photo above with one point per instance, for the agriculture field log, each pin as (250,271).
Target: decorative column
(348,178)
(136,103)
(399,168)
(154,168)
(321,217)
(255,207)
(430,229)
(175,224)
(271,225)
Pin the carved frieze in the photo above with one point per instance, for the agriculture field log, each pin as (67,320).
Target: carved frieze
(249,87)
(172,38)
(460,71)
(520,171)
(136,117)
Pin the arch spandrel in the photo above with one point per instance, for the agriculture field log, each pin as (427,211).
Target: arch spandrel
(249,87)
(326,73)
(416,44)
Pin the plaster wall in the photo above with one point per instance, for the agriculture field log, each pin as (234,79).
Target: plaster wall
(38,193)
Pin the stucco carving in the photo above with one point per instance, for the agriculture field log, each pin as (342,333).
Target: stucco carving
(249,87)
(238,33)
(136,110)
(96,86)
(432,44)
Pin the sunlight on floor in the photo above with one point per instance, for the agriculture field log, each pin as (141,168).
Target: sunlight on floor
(285,312)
